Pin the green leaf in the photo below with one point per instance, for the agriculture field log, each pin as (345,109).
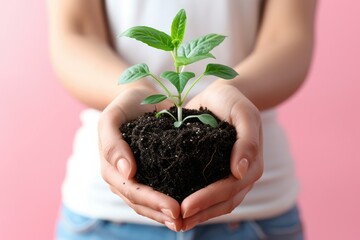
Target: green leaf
(179,80)
(134,73)
(151,37)
(181,61)
(208,119)
(153,99)
(204,118)
(158,114)
(178,27)
(220,71)
(200,46)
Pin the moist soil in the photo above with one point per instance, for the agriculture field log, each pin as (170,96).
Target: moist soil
(179,161)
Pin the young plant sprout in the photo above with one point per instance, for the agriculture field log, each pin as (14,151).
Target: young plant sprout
(183,54)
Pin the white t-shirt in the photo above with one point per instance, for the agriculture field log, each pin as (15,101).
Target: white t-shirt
(84,190)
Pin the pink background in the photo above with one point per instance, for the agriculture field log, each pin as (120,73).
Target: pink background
(38,120)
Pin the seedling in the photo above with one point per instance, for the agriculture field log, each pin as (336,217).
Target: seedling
(183,54)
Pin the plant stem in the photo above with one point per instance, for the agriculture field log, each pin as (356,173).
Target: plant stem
(192,85)
(175,55)
(179,104)
(179,113)
(163,87)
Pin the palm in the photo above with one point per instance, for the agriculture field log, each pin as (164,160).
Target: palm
(221,197)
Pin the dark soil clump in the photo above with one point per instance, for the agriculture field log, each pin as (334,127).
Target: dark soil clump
(179,161)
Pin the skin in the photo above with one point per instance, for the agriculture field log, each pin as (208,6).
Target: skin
(88,66)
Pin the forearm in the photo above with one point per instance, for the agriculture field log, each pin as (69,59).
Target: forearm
(271,75)
(280,61)
(88,69)
(82,56)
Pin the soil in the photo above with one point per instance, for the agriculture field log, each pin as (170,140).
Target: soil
(179,161)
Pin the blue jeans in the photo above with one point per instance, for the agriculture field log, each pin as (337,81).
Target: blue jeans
(286,226)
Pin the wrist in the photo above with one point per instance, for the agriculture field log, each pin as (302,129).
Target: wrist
(141,85)
(223,86)
(219,83)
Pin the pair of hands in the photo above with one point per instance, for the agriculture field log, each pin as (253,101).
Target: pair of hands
(118,165)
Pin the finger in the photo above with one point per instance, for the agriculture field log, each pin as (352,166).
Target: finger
(211,195)
(172,224)
(248,146)
(215,193)
(111,144)
(113,148)
(160,217)
(216,210)
(143,195)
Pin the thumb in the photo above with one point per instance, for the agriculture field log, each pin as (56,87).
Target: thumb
(247,161)
(113,148)
(118,153)
(247,150)
(239,160)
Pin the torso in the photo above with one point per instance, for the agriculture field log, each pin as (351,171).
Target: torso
(85,192)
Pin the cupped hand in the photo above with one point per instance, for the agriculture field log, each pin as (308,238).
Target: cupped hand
(118,166)
(246,162)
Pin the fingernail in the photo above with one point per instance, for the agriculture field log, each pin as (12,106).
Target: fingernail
(170,225)
(191,212)
(190,226)
(123,167)
(168,213)
(242,167)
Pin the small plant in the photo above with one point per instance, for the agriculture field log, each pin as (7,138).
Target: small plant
(183,54)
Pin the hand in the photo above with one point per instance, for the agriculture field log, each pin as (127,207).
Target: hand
(246,162)
(118,165)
